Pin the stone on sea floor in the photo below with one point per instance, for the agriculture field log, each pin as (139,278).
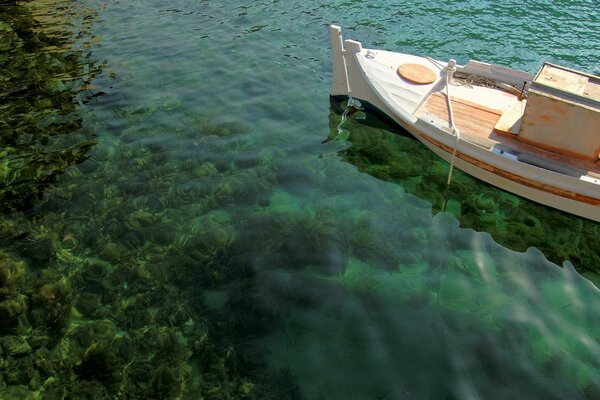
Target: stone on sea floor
(215,300)
(111,252)
(15,345)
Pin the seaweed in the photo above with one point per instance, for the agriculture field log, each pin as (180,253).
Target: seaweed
(154,245)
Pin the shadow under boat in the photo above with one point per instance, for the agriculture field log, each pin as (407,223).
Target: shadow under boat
(381,148)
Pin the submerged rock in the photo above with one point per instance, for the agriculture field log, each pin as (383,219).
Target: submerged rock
(215,300)
(11,272)
(96,270)
(15,345)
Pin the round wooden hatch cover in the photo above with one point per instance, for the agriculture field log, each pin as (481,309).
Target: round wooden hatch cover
(416,73)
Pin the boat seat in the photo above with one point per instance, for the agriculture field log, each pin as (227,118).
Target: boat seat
(510,121)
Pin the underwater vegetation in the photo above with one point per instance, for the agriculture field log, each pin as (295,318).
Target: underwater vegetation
(151,245)
(475,294)
(376,148)
(119,285)
(144,296)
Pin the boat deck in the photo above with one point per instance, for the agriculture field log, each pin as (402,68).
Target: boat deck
(477,121)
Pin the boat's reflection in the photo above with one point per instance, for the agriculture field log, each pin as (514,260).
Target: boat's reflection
(382,149)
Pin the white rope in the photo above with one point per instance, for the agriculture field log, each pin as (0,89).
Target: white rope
(344,116)
(437,64)
(468,80)
(450,69)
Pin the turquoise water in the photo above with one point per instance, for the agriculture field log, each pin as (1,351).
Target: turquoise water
(173,226)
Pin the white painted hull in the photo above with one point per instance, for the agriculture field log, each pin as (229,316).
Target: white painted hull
(364,75)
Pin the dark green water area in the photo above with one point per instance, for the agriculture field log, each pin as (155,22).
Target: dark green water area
(184,215)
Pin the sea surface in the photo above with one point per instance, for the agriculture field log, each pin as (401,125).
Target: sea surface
(184,215)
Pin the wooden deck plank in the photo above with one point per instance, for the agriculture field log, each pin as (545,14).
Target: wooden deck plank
(470,119)
(476,124)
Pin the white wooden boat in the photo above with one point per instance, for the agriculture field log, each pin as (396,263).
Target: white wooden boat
(535,136)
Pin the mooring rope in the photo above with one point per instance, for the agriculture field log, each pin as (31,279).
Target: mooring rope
(439,65)
(353,105)
(470,80)
(450,69)
(344,116)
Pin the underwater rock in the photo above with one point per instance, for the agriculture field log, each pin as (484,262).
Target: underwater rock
(419,234)
(215,300)
(89,304)
(151,202)
(112,252)
(55,291)
(188,192)
(404,287)
(42,249)
(479,266)
(11,272)
(12,307)
(456,294)
(532,222)
(211,233)
(283,202)
(246,160)
(98,364)
(146,274)
(186,165)
(13,315)
(138,219)
(51,304)
(86,390)
(96,270)
(37,341)
(15,345)
(17,392)
(165,382)
(220,129)
(486,203)
(68,242)
(454,207)
(19,371)
(133,187)
(134,240)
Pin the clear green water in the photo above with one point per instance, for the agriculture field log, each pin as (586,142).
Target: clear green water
(173,226)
